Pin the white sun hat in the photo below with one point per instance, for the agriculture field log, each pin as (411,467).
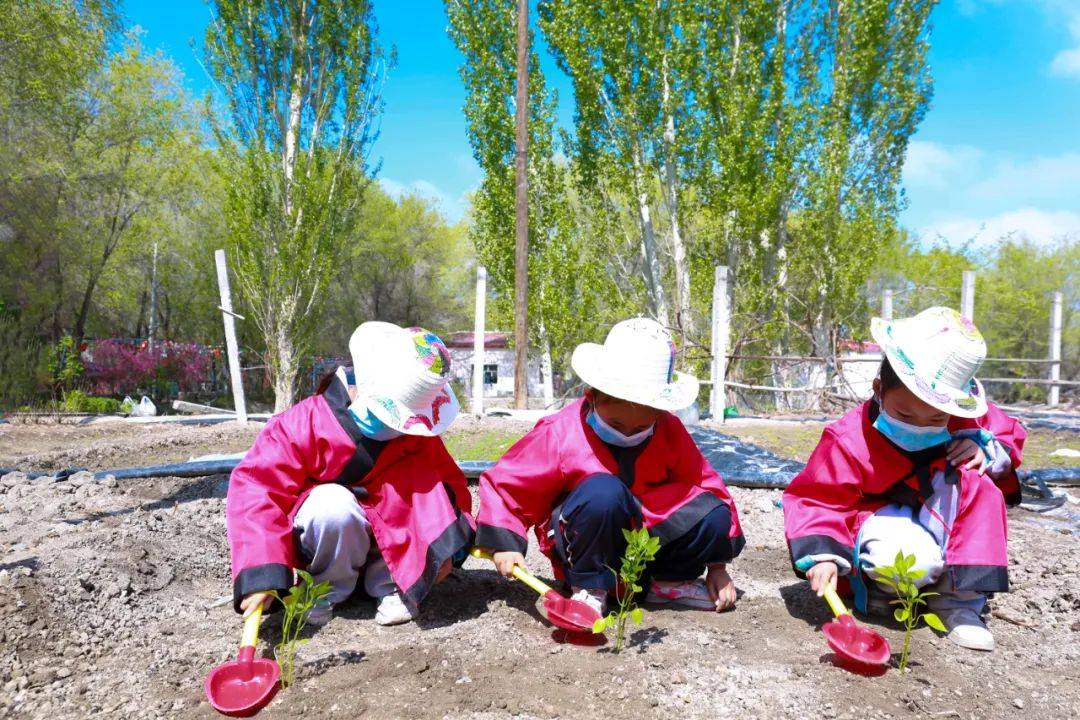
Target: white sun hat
(936,355)
(636,363)
(402,376)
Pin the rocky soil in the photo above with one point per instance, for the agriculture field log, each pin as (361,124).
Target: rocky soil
(111,608)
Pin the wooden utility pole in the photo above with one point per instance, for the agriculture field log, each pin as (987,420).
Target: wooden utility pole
(521,197)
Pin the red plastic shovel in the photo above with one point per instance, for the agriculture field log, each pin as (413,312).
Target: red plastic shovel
(863,649)
(563,612)
(242,686)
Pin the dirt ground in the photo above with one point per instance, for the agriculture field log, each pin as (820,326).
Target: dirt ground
(109,592)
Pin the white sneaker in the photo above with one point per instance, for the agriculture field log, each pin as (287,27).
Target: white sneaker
(322,613)
(596,599)
(690,593)
(967,629)
(392,610)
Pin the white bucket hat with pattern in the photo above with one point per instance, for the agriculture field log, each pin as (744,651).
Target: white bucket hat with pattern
(936,355)
(636,363)
(403,377)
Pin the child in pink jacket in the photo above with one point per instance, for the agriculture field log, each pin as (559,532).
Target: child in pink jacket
(926,467)
(355,483)
(615,459)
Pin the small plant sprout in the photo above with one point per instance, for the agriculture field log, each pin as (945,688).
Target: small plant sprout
(297,604)
(909,599)
(641,548)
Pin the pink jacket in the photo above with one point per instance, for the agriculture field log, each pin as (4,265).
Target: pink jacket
(674,483)
(413,493)
(855,471)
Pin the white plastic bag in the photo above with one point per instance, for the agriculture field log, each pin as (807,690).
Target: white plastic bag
(145,408)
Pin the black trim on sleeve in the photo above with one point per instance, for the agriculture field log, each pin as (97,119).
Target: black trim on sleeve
(497,539)
(261,578)
(979,578)
(818,545)
(686,517)
(457,536)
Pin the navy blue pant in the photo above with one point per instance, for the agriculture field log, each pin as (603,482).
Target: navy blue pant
(589,541)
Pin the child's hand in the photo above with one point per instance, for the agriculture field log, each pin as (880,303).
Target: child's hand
(822,575)
(250,602)
(505,562)
(966,449)
(721,587)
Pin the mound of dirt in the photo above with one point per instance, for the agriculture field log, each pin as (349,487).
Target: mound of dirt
(111,597)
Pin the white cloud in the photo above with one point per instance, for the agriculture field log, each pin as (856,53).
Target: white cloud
(1040,226)
(959,193)
(1053,179)
(452,208)
(934,165)
(1067,62)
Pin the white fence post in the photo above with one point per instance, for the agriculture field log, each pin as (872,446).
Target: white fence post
(478,342)
(721,328)
(967,295)
(231,346)
(1055,348)
(886,304)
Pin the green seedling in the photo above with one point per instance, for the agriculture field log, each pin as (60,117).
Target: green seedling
(641,548)
(909,599)
(297,604)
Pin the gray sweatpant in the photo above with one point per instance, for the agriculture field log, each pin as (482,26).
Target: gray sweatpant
(335,536)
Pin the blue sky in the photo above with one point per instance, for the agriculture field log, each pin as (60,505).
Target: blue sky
(998,152)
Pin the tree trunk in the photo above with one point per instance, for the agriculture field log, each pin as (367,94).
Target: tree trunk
(654,276)
(683,314)
(546,369)
(284,367)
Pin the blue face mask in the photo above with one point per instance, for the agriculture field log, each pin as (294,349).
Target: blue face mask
(372,427)
(910,437)
(612,436)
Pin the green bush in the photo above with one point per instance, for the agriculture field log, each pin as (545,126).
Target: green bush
(79,402)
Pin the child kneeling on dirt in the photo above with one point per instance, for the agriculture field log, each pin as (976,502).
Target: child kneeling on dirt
(926,466)
(356,481)
(612,460)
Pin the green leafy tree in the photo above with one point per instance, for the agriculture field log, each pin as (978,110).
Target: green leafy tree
(302,83)
(403,264)
(568,286)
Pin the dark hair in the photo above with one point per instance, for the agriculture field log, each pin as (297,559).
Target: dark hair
(888,377)
(324,382)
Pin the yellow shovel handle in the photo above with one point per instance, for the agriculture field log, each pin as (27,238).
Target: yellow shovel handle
(251,627)
(835,602)
(519,572)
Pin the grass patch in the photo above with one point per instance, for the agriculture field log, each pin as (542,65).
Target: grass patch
(1041,442)
(791,441)
(483,444)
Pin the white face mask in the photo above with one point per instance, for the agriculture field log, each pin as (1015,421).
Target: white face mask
(612,436)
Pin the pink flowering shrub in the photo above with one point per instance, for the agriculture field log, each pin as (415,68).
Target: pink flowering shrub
(119,367)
